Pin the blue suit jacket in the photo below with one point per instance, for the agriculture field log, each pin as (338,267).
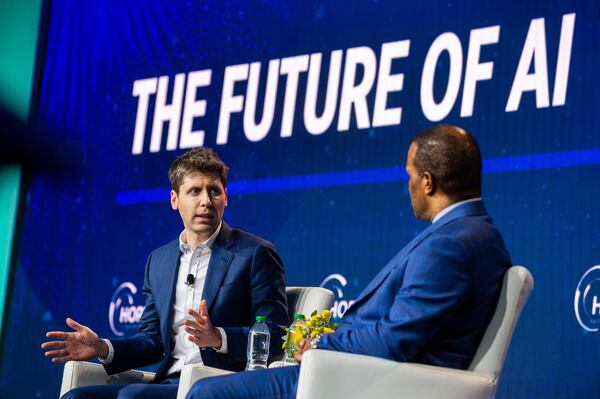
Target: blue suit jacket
(432,302)
(245,278)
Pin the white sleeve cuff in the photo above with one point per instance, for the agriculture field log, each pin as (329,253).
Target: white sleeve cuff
(223,349)
(111,353)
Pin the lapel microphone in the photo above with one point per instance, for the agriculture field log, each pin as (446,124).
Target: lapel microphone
(190,279)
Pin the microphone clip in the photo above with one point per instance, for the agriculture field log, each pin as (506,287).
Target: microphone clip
(190,280)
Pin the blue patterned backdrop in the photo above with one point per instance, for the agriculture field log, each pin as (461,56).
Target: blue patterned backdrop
(335,203)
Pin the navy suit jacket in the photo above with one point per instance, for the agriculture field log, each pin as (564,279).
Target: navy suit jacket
(432,302)
(245,278)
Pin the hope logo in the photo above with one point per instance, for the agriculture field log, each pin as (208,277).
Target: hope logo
(336,282)
(123,314)
(587,300)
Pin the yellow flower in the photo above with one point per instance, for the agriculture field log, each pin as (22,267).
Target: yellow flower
(314,334)
(327,330)
(326,314)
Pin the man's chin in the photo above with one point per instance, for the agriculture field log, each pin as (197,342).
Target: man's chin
(203,228)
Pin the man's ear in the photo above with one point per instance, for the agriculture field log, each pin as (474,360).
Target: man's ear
(226,196)
(173,200)
(428,183)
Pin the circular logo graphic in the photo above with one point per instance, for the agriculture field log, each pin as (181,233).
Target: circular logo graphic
(587,300)
(336,282)
(123,314)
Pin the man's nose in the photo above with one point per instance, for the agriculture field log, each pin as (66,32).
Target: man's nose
(205,199)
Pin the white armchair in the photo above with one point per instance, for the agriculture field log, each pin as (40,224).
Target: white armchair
(328,374)
(80,374)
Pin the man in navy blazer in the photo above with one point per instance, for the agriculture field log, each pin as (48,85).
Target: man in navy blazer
(432,302)
(203,292)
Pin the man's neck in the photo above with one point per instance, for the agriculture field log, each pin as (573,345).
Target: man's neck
(451,207)
(440,201)
(437,205)
(193,240)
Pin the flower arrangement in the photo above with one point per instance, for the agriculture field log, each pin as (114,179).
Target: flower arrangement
(317,325)
(320,324)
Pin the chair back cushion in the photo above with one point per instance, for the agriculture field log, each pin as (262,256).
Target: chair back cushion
(307,299)
(516,287)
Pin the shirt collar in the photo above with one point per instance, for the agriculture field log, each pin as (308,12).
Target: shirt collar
(453,206)
(206,244)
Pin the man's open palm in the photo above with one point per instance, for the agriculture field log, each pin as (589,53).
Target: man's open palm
(82,344)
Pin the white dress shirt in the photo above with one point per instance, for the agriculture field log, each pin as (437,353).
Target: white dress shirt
(192,261)
(453,206)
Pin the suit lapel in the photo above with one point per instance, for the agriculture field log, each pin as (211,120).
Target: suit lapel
(220,260)
(170,272)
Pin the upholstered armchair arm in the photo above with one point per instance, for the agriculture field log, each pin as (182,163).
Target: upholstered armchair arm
(329,374)
(82,374)
(192,373)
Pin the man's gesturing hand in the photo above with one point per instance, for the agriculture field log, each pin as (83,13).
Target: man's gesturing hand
(83,344)
(201,330)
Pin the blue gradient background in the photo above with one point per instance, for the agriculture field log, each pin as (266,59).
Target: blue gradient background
(334,203)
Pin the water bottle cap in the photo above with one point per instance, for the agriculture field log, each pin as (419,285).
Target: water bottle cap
(299,316)
(261,318)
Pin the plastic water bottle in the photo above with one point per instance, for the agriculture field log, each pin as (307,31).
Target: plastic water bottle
(297,332)
(258,345)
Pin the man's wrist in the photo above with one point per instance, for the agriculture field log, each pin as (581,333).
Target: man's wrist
(218,339)
(102,349)
(223,348)
(111,353)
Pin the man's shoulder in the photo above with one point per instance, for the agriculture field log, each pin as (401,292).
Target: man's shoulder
(474,234)
(468,225)
(241,239)
(172,245)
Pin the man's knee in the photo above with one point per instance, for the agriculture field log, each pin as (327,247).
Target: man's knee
(127,392)
(205,388)
(94,391)
(148,391)
(133,391)
(74,394)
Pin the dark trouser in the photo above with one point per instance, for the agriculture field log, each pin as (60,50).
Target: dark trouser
(166,389)
(278,383)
